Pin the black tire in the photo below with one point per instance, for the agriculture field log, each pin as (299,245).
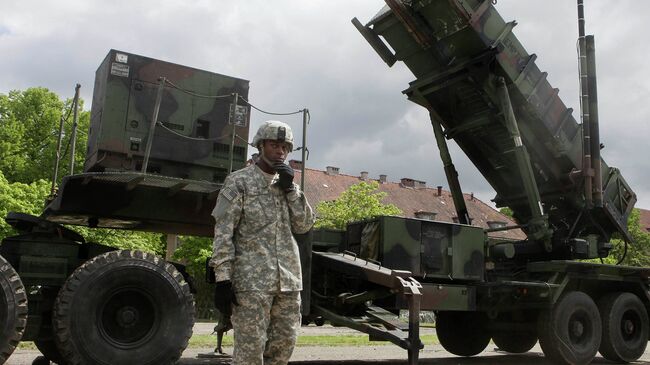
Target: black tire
(50,351)
(625,327)
(13,310)
(124,307)
(515,342)
(462,333)
(40,360)
(570,332)
(45,340)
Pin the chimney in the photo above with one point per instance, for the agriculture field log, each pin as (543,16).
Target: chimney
(331,170)
(496,224)
(439,190)
(295,164)
(382,179)
(407,182)
(421,214)
(471,197)
(363,175)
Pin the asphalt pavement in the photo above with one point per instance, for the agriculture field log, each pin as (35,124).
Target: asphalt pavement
(381,354)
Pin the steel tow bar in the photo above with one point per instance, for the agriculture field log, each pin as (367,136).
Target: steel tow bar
(411,289)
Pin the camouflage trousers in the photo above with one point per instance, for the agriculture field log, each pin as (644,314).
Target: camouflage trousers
(265,327)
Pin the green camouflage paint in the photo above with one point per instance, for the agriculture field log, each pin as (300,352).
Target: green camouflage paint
(123,104)
(457,51)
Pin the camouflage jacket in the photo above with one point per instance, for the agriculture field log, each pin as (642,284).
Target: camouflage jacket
(253,244)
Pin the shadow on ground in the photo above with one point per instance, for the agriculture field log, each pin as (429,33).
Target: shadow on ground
(501,359)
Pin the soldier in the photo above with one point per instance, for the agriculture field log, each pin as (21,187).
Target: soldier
(255,256)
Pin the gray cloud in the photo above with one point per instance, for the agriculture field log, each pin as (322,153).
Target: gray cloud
(307,54)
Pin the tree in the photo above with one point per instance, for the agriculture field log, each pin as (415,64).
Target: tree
(29,128)
(507,211)
(20,197)
(125,240)
(193,252)
(358,202)
(638,252)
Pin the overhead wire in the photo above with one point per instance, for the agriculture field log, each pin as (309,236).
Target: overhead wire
(201,139)
(167,81)
(197,94)
(189,92)
(271,113)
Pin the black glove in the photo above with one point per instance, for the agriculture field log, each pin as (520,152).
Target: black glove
(224,297)
(285,182)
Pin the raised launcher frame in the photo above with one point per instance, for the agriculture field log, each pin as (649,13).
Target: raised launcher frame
(484,91)
(194,133)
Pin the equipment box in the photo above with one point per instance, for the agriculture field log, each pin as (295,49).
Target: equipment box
(193,137)
(428,249)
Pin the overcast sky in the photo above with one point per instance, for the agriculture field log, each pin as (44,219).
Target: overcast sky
(307,54)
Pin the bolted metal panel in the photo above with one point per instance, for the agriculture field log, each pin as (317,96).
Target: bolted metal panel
(193,136)
(428,249)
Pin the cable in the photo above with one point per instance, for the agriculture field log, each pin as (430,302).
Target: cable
(197,94)
(620,261)
(229,96)
(69,140)
(188,137)
(202,139)
(243,139)
(267,112)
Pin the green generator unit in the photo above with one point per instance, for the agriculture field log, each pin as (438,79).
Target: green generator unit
(196,120)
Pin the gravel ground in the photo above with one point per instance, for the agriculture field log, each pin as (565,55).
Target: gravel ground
(344,355)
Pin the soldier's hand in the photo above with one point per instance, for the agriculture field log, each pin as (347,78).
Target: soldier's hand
(224,297)
(285,182)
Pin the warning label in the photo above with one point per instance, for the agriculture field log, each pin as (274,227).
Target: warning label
(119,69)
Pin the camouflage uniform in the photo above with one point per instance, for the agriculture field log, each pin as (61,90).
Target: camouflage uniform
(255,249)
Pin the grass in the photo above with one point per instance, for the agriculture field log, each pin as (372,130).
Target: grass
(209,341)
(200,341)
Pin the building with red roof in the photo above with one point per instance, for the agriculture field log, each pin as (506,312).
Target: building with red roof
(413,197)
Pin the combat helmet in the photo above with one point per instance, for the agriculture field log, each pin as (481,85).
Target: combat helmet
(276,131)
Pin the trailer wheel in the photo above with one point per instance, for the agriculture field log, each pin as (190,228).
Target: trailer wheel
(13,309)
(516,342)
(45,340)
(124,307)
(625,327)
(49,351)
(462,333)
(570,332)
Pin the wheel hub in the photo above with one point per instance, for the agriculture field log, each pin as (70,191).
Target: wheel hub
(628,327)
(577,329)
(127,316)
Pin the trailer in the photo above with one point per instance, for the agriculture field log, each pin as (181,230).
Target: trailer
(481,89)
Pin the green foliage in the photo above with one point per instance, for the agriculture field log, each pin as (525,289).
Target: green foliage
(358,202)
(638,252)
(192,252)
(29,128)
(20,197)
(125,240)
(507,211)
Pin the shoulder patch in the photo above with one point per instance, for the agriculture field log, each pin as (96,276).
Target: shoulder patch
(229,194)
